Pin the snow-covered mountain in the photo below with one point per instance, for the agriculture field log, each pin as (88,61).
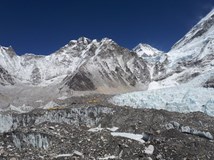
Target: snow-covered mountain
(145,50)
(202,31)
(183,78)
(190,58)
(92,66)
(109,67)
(67,88)
(81,65)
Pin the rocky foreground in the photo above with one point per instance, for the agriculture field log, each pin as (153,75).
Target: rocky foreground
(93,131)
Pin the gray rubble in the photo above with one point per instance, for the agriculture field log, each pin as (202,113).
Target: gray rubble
(189,130)
(86,132)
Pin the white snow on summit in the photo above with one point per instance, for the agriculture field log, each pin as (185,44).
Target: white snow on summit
(37,69)
(145,50)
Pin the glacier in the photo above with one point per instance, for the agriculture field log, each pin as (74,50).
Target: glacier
(177,99)
(182,79)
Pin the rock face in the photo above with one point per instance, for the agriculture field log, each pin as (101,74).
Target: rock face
(36,76)
(209,83)
(79,82)
(5,77)
(110,67)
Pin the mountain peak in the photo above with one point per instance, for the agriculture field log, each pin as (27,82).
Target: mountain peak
(9,50)
(145,50)
(202,31)
(84,40)
(106,39)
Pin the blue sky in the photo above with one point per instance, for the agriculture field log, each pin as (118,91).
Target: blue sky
(43,26)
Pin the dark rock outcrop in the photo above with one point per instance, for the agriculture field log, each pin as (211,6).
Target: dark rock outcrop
(209,83)
(5,77)
(80,82)
(36,76)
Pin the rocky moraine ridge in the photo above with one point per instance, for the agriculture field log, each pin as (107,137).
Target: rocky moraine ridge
(100,132)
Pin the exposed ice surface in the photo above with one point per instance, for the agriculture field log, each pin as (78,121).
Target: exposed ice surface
(113,129)
(6,122)
(136,137)
(108,158)
(180,99)
(97,129)
(36,140)
(63,155)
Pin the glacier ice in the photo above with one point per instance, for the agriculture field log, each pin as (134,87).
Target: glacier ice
(179,99)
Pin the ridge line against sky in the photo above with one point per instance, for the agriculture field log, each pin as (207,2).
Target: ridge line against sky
(42,27)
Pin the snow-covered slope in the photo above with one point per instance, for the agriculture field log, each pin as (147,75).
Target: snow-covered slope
(145,50)
(183,78)
(34,69)
(84,64)
(202,30)
(190,57)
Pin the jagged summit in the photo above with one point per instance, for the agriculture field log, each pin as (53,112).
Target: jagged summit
(7,50)
(84,63)
(84,40)
(145,50)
